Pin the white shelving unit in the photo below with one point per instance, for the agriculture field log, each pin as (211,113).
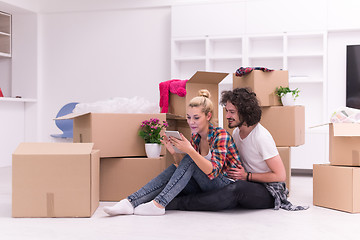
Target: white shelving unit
(302,54)
(219,54)
(18,77)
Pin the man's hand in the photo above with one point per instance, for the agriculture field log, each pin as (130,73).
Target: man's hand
(238,173)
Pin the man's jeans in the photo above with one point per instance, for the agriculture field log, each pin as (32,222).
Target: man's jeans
(168,184)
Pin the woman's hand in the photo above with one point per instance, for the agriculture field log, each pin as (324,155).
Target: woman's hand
(168,145)
(182,144)
(238,173)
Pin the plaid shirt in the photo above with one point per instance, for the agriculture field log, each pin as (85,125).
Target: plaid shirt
(224,154)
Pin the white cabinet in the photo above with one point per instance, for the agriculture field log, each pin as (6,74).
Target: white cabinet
(343,15)
(279,16)
(208,19)
(5,34)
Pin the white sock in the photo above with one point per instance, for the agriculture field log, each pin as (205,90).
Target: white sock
(122,207)
(149,209)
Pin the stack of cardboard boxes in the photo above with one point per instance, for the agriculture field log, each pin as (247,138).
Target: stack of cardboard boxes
(285,123)
(124,167)
(337,185)
(69,179)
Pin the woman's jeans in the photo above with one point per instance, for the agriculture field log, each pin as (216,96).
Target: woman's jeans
(168,184)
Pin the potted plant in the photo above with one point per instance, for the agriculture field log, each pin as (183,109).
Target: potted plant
(150,132)
(287,96)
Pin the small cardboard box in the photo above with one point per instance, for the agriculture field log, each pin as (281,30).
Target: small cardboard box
(285,155)
(120,177)
(286,124)
(344,142)
(200,80)
(336,187)
(114,134)
(263,84)
(55,180)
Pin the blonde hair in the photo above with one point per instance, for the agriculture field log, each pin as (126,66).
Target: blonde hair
(203,101)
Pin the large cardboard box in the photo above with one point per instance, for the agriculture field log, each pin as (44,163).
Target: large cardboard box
(344,143)
(285,154)
(286,124)
(336,187)
(120,177)
(55,180)
(263,84)
(114,134)
(200,80)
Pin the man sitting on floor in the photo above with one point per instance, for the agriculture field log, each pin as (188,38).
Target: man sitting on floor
(260,183)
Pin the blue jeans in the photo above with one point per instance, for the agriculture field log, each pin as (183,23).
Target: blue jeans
(168,184)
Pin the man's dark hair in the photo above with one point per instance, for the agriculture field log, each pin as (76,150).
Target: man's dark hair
(245,101)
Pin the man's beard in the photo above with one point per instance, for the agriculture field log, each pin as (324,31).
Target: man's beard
(238,125)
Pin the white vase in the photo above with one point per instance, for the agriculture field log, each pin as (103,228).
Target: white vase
(288,100)
(152,150)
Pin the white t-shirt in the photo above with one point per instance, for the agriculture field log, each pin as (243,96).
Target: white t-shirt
(257,147)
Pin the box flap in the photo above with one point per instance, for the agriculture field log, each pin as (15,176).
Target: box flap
(54,148)
(346,129)
(207,77)
(71,116)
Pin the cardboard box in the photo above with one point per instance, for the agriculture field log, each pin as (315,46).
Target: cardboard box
(200,80)
(120,177)
(344,142)
(336,187)
(286,124)
(55,180)
(285,154)
(263,84)
(114,134)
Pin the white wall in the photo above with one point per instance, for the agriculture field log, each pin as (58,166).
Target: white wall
(92,56)
(10,136)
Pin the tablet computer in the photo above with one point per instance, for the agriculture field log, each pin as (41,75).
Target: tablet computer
(174,134)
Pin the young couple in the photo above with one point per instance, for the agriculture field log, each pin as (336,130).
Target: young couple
(218,172)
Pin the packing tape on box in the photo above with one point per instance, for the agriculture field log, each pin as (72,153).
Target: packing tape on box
(50,204)
(355,158)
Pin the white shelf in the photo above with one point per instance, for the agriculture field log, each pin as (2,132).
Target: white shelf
(266,56)
(192,58)
(234,57)
(5,34)
(306,55)
(9,99)
(2,54)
